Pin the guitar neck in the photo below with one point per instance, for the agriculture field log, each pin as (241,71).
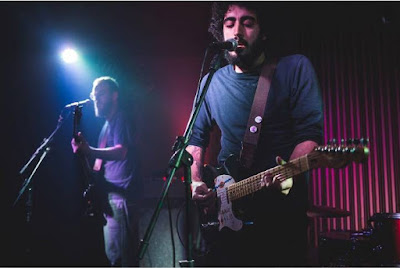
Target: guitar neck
(87,173)
(253,183)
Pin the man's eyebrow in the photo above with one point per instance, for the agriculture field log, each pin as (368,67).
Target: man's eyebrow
(229,19)
(248,18)
(241,19)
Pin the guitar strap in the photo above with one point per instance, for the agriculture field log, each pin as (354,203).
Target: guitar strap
(102,144)
(253,129)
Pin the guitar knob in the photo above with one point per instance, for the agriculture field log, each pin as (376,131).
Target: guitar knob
(349,141)
(356,141)
(334,141)
(342,141)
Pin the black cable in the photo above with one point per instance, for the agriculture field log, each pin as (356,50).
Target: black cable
(172,232)
(198,252)
(201,76)
(216,58)
(195,103)
(176,224)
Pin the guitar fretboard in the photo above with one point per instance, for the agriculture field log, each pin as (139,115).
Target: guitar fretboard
(253,183)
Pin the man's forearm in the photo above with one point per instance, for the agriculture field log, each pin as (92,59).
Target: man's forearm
(198,162)
(117,152)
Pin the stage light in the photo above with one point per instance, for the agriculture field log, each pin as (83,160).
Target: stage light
(69,55)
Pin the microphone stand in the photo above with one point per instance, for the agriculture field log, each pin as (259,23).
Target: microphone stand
(181,158)
(43,150)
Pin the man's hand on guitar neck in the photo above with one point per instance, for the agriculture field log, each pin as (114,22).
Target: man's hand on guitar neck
(278,181)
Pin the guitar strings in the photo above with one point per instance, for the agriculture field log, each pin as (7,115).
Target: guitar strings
(253,183)
(288,170)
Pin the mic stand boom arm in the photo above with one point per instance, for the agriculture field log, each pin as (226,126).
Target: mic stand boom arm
(44,148)
(180,157)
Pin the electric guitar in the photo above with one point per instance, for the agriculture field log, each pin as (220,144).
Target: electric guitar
(93,197)
(229,191)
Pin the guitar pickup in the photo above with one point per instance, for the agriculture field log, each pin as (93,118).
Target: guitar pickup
(222,184)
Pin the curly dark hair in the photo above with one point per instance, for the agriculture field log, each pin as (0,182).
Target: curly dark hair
(218,10)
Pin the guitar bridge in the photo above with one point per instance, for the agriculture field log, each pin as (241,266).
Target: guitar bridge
(210,224)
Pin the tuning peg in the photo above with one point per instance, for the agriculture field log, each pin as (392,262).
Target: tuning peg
(325,148)
(331,149)
(364,141)
(332,142)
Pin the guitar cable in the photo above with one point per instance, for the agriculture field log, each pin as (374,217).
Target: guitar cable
(171,232)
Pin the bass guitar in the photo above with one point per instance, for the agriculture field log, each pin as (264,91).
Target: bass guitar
(92,196)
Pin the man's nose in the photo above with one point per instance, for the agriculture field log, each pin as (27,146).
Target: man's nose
(238,31)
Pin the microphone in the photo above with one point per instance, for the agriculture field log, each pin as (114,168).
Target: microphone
(78,103)
(230,45)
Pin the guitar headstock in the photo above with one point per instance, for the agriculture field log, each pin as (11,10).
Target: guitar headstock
(335,155)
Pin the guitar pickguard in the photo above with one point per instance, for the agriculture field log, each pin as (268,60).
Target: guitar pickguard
(226,217)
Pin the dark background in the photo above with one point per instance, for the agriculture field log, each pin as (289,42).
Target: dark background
(155,51)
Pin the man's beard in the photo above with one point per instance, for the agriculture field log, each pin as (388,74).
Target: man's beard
(246,58)
(104,110)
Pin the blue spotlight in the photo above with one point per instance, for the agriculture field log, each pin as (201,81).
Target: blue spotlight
(69,55)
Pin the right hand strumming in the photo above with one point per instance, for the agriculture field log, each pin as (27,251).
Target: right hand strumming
(203,196)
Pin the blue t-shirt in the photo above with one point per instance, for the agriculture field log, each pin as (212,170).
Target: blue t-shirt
(293,112)
(120,173)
